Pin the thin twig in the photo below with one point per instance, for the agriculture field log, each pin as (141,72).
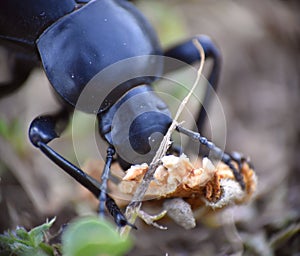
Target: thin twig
(136,202)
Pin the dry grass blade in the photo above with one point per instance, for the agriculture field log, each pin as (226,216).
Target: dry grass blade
(135,204)
(280,238)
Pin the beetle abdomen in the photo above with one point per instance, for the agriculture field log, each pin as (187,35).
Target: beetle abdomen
(22,22)
(81,44)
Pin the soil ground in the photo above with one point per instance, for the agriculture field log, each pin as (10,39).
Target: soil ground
(260,94)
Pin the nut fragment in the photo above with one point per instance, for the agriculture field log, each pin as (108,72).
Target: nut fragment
(206,185)
(176,178)
(180,211)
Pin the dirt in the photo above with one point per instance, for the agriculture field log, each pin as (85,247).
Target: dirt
(259,92)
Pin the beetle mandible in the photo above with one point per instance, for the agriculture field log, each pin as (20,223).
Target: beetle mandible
(66,36)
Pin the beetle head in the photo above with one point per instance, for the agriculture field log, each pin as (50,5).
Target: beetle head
(136,125)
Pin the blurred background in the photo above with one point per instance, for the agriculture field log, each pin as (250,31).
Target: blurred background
(260,94)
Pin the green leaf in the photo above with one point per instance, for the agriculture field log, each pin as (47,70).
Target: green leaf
(23,243)
(93,237)
(37,234)
(47,249)
(22,234)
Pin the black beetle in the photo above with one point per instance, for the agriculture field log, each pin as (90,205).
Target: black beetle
(74,41)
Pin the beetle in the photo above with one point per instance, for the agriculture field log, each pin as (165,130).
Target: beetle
(74,41)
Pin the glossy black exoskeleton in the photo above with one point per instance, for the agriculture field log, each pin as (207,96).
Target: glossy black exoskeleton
(74,41)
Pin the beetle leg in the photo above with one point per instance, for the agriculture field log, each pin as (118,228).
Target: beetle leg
(44,129)
(217,152)
(111,205)
(188,53)
(115,211)
(104,179)
(240,159)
